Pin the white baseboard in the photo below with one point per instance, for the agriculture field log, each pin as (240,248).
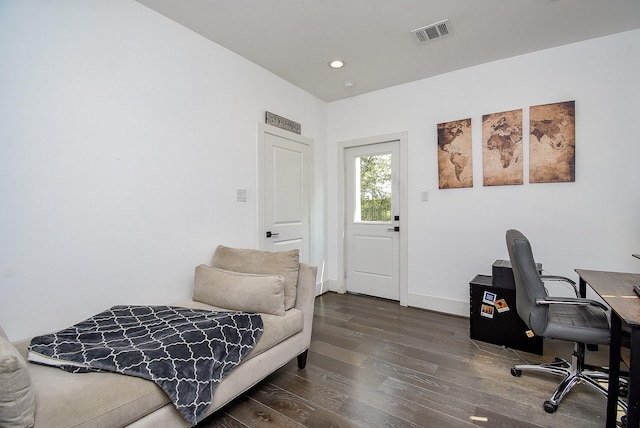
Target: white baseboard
(422,301)
(439,304)
(326,285)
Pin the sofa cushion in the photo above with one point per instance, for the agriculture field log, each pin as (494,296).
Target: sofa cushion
(239,291)
(285,263)
(276,328)
(17,400)
(86,400)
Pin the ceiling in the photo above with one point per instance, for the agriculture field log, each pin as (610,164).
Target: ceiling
(296,39)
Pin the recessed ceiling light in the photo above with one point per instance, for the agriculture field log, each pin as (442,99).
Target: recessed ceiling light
(336,63)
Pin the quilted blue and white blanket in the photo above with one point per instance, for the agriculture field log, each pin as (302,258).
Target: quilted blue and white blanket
(186,352)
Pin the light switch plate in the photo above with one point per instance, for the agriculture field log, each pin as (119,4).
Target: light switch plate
(241,195)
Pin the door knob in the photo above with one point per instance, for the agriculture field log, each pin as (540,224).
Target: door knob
(270,234)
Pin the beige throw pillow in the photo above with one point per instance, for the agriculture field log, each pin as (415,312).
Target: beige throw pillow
(285,263)
(17,400)
(239,291)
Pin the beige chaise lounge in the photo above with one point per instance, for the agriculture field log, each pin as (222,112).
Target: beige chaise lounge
(65,399)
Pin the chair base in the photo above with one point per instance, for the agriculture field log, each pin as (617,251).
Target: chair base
(572,373)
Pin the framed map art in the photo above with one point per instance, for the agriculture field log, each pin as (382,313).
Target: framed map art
(454,154)
(552,146)
(502,148)
(552,143)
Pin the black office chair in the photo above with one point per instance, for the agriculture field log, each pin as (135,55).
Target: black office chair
(573,319)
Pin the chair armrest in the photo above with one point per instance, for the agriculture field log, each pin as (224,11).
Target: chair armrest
(571,301)
(561,279)
(557,278)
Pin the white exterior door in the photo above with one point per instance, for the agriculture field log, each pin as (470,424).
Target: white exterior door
(285,165)
(373,221)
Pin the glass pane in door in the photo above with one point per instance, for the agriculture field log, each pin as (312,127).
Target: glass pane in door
(373,188)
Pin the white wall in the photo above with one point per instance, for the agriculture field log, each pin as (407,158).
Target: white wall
(593,223)
(123,138)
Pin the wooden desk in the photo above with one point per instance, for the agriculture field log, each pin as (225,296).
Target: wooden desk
(616,289)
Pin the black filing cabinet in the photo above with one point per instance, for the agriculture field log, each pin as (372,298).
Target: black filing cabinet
(494,318)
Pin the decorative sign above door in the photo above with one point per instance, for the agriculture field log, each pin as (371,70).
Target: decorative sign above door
(282,123)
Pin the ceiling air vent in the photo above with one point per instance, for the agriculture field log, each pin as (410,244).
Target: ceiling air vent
(432,32)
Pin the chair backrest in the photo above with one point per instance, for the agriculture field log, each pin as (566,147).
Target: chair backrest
(529,285)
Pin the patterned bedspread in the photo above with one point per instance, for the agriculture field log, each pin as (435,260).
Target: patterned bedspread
(186,352)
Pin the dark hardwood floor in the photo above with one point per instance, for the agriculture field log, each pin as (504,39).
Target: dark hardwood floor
(373,363)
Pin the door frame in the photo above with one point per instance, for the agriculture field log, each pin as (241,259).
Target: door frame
(402,138)
(263,128)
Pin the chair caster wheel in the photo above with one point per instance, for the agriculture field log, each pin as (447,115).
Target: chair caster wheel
(549,407)
(515,372)
(623,390)
(623,421)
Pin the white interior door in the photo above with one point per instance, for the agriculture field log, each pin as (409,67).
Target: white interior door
(285,189)
(372,222)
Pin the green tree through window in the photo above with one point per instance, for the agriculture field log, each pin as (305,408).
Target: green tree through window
(375,188)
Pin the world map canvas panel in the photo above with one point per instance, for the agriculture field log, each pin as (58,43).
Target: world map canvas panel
(552,143)
(502,148)
(454,154)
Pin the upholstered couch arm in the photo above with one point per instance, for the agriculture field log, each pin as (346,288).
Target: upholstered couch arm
(305,298)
